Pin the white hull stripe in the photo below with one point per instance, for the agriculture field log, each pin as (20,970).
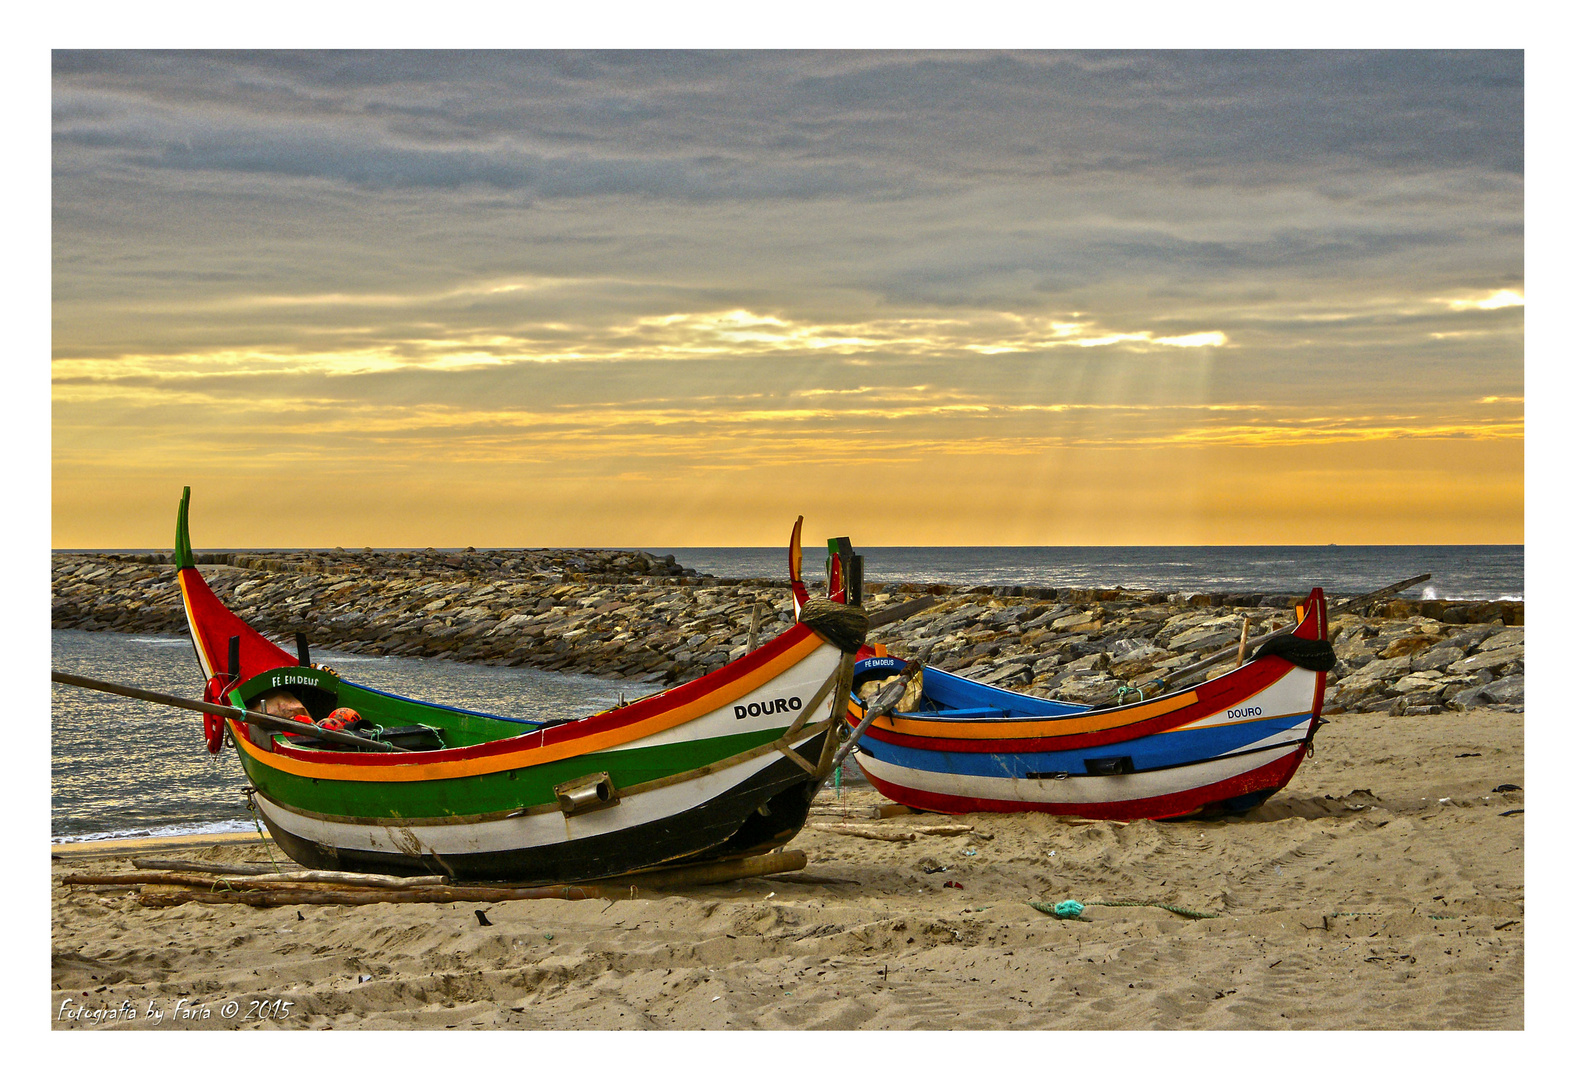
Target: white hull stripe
(517,833)
(799,682)
(1290,695)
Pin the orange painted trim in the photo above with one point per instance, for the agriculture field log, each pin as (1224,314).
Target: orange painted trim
(1038,727)
(529,755)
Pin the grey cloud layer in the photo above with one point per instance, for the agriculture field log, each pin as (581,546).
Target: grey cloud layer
(1162,192)
(448,119)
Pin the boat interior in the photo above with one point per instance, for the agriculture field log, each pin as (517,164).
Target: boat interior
(948,697)
(403,722)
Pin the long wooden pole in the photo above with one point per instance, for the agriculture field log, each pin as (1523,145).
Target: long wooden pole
(262,720)
(776,862)
(423,895)
(204,889)
(895,612)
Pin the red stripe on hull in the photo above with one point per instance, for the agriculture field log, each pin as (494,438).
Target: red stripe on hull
(1274,776)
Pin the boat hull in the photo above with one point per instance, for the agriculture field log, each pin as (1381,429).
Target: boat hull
(1221,747)
(742,810)
(1230,784)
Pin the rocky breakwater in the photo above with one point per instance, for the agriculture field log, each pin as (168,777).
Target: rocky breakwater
(618,613)
(633,615)
(1402,657)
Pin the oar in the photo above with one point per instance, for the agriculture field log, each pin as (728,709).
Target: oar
(262,720)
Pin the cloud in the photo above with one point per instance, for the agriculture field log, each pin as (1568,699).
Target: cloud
(1500,298)
(601,255)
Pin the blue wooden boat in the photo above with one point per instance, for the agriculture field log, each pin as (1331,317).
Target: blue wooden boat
(1223,746)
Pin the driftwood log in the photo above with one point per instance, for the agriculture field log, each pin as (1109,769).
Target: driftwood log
(175,887)
(867,832)
(227,869)
(297,894)
(315,878)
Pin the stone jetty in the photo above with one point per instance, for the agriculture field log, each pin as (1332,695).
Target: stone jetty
(632,615)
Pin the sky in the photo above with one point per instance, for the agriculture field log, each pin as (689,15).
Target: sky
(677,299)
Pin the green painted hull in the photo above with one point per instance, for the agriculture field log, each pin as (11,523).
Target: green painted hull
(489,794)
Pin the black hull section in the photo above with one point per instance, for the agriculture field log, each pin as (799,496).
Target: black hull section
(764,812)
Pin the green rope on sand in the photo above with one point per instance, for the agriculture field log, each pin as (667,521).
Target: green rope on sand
(1073,909)
(252,806)
(1380,914)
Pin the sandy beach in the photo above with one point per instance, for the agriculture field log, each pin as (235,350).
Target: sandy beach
(1383,889)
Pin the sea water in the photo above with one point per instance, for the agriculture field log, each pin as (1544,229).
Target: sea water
(127,768)
(1459,571)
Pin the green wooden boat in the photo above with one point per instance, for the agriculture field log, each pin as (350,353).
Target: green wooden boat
(723,766)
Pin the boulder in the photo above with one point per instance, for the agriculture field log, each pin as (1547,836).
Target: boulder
(1509,691)
(1486,661)
(1408,645)
(1438,658)
(1382,671)
(1504,639)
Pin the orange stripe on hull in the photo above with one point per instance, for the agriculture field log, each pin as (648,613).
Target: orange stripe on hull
(523,751)
(1037,727)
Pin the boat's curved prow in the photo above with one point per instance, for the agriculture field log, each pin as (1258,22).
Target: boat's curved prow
(1315,622)
(213,624)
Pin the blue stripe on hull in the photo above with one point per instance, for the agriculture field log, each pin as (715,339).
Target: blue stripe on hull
(1161,751)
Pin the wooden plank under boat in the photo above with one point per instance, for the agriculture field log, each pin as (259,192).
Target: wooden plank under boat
(723,766)
(1223,746)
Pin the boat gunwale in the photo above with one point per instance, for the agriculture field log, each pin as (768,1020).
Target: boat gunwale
(656,707)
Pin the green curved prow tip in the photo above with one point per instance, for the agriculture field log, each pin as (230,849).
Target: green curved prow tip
(183,543)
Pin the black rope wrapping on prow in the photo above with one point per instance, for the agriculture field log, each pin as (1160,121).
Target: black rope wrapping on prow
(1313,655)
(841,624)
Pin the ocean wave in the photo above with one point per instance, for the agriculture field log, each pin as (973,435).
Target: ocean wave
(183,829)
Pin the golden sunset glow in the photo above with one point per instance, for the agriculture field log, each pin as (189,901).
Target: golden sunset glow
(674,299)
(1502,298)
